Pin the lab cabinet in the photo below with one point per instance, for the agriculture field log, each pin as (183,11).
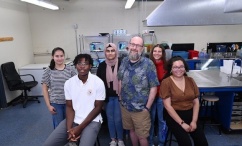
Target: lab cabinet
(236,118)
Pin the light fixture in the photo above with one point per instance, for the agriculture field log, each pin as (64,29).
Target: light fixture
(129,4)
(42,3)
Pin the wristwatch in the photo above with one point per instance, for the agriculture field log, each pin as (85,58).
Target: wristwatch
(147,108)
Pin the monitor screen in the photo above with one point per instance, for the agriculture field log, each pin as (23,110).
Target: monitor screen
(221,48)
(182,47)
(96,46)
(122,45)
(224,47)
(101,60)
(96,62)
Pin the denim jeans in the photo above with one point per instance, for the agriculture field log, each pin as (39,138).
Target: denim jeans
(60,113)
(114,118)
(157,108)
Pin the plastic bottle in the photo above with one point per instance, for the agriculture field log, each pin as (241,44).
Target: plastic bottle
(201,55)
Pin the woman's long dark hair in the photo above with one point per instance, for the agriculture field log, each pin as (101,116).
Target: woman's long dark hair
(170,64)
(163,57)
(52,62)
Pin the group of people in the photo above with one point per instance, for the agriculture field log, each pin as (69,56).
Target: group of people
(132,91)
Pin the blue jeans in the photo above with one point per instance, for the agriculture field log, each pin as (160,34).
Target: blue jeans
(114,118)
(60,113)
(157,107)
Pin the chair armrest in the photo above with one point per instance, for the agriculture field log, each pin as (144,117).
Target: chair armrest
(29,75)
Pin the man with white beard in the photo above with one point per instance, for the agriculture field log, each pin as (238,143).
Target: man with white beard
(138,85)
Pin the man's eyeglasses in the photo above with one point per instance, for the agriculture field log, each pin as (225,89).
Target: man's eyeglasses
(82,63)
(178,67)
(135,45)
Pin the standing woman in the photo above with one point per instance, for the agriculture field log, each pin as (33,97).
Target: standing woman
(53,81)
(107,71)
(158,56)
(180,97)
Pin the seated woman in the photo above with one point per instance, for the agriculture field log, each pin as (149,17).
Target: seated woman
(180,99)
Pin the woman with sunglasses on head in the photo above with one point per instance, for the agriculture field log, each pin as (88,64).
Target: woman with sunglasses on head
(107,71)
(158,56)
(180,97)
(53,81)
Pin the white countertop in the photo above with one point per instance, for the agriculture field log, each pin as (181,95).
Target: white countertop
(34,66)
(40,66)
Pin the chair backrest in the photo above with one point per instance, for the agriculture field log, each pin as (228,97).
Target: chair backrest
(11,75)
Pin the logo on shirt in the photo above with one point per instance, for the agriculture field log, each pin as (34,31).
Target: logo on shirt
(89,92)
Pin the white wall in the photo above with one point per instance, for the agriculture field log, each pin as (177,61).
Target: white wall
(15,23)
(39,30)
(55,28)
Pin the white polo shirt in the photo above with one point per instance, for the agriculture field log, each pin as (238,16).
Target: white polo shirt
(83,96)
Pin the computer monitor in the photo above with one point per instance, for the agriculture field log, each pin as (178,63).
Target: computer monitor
(122,45)
(96,62)
(223,46)
(182,47)
(96,46)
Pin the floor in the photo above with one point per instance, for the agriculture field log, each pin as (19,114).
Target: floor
(30,126)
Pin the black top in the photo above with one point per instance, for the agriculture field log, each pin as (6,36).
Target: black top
(101,73)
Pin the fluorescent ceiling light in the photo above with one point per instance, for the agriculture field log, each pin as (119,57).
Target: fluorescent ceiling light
(129,4)
(42,4)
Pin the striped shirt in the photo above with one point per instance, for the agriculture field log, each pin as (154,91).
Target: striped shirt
(55,80)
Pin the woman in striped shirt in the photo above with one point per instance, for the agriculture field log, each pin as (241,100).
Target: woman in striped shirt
(53,81)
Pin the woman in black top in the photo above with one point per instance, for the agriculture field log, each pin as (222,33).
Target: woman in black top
(107,71)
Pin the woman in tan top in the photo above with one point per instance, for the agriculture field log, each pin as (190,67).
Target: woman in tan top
(180,98)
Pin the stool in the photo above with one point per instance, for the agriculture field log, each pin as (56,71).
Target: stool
(213,102)
(169,133)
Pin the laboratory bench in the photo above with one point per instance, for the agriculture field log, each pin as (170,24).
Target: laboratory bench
(196,64)
(226,89)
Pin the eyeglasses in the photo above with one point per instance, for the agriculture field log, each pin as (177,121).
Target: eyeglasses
(82,63)
(178,67)
(135,45)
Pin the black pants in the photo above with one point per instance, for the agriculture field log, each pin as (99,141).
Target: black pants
(181,135)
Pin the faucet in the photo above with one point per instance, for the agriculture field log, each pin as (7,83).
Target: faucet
(231,75)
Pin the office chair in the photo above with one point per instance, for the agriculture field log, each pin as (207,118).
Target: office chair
(14,82)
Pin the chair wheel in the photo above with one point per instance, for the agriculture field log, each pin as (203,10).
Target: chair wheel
(38,101)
